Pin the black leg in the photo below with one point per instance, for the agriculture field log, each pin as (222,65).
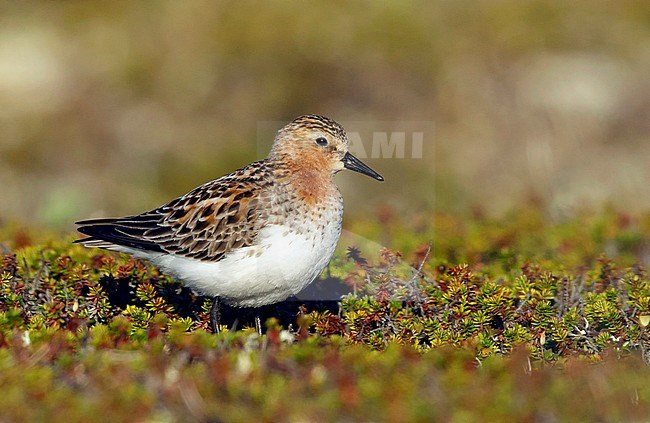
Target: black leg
(215,314)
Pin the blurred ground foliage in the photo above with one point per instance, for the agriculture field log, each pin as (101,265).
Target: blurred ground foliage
(110,108)
(495,320)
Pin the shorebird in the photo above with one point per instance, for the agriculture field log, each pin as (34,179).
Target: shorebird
(255,236)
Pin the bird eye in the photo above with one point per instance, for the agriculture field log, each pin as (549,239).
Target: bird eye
(321,141)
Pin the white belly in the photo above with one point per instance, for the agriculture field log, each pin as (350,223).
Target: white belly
(284,261)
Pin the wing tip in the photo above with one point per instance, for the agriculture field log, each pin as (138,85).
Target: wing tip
(109,234)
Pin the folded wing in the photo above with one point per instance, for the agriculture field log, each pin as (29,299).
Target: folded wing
(204,224)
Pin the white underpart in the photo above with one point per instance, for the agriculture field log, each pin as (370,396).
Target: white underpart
(283,262)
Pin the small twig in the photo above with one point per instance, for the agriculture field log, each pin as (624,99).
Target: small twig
(424,259)
(37,277)
(65,290)
(26,269)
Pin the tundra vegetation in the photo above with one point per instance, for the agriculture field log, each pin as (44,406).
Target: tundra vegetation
(455,319)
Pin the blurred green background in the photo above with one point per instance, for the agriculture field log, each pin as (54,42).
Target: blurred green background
(109,108)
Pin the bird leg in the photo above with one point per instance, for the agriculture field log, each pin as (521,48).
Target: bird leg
(258,324)
(215,314)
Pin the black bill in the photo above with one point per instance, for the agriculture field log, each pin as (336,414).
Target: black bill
(352,163)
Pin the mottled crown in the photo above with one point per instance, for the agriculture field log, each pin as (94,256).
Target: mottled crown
(317,122)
